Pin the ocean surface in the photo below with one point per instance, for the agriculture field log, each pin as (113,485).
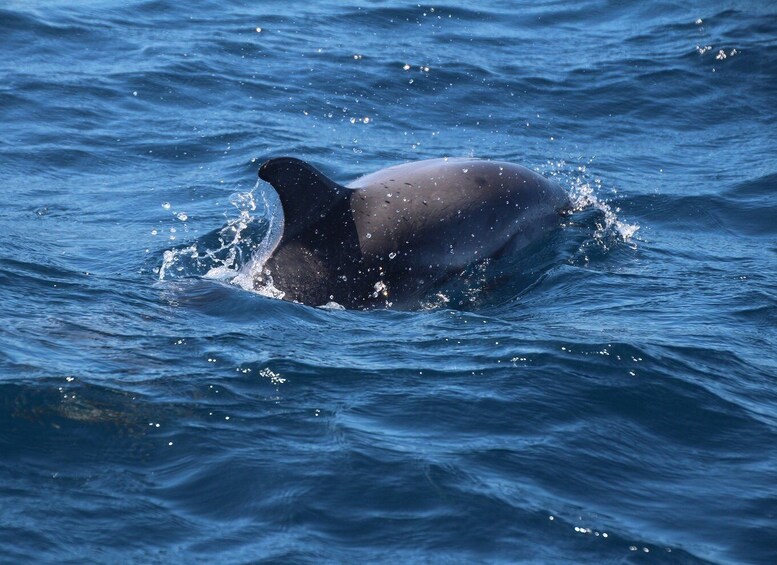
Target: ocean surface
(611,397)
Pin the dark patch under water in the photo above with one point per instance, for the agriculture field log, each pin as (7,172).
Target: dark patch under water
(612,400)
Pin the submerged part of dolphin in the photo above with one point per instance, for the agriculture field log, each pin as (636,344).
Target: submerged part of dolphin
(389,236)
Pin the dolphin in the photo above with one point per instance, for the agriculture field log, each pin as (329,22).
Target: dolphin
(387,237)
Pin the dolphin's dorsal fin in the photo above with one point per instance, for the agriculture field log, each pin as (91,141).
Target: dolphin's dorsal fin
(306,194)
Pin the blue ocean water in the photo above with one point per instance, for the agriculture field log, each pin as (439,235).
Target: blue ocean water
(612,400)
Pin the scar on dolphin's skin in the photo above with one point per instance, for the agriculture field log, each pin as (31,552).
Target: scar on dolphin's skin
(390,235)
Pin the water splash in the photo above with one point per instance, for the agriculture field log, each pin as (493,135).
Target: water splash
(250,276)
(583,192)
(237,252)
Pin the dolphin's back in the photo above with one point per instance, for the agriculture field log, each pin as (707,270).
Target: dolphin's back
(396,232)
(446,213)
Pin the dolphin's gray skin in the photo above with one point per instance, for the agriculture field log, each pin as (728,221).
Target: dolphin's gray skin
(388,236)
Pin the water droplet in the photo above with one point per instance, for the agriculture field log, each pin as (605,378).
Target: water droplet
(166,205)
(406,67)
(368,236)
(182,216)
(464,170)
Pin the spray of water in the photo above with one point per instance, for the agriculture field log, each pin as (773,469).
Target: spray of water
(583,191)
(249,274)
(238,251)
